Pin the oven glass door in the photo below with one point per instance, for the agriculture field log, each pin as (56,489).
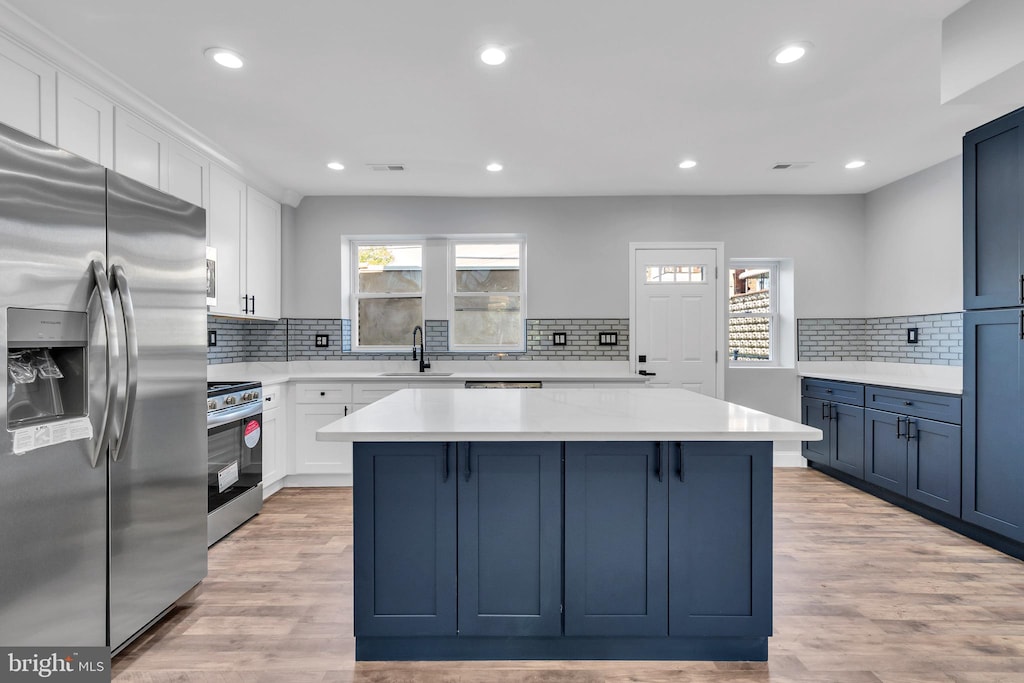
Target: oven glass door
(235,459)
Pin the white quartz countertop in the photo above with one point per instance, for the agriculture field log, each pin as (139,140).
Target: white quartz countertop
(369,371)
(571,414)
(939,378)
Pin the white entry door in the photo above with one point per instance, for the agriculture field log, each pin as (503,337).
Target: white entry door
(677,318)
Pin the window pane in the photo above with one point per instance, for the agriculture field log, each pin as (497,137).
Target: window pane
(674,274)
(750,339)
(488,320)
(479,280)
(487,267)
(749,290)
(390,268)
(389,322)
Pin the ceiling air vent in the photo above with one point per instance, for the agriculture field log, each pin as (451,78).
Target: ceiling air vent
(791,165)
(386,167)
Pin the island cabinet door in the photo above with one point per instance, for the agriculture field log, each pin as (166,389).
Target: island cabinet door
(616,536)
(815,413)
(510,539)
(885,450)
(720,539)
(404,524)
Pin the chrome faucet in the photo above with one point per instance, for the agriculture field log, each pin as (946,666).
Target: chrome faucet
(424,363)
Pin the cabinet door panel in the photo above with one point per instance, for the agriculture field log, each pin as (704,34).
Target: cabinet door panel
(263,254)
(814,414)
(720,539)
(993,431)
(848,439)
(85,122)
(404,540)
(140,150)
(615,539)
(885,453)
(510,541)
(933,462)
(226,221)
(319,457)
(29,92)
(993,214)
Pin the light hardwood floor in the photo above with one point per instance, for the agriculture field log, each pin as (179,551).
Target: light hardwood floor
(864,593)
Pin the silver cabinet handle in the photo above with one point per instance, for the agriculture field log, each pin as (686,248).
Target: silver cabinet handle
(102,287)
(132,349)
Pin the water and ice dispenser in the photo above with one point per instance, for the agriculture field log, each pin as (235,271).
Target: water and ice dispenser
(46,366)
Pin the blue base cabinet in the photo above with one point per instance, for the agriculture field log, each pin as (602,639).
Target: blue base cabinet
(656,550)
(404,496)
(720,540)
(510,552)
(616,539)
(836,409)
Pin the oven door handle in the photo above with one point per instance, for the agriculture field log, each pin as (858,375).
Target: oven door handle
(234,414)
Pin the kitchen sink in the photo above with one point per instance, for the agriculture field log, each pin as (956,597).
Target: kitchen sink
(415,374)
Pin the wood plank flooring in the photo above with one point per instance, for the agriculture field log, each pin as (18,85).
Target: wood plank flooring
(864,593)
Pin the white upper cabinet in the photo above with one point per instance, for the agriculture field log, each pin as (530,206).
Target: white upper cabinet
(28,91)
(85,121)
(226,226)
(263,255)
(188,175)
(141,150)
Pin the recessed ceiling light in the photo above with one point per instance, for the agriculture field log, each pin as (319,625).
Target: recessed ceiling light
(492,56)
(225,57)
(856,163)
(494,167)
(336,166)
(688,163)
(791,52)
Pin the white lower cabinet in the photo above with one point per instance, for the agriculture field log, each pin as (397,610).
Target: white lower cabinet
(317,405)
(275,438)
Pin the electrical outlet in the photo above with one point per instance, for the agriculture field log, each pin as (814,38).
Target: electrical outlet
(322,341)
(558,339)
(912,336)
(211,337)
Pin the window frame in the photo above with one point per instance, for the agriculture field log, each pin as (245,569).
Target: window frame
(774,268)
(453,294)
(356,295)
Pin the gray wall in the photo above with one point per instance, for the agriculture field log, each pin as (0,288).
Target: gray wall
(577,247)
(914,244)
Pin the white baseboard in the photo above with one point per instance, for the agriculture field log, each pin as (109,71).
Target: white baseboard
(271,489)
(297,480)
(788,458)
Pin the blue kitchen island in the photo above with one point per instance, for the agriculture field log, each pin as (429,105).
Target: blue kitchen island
(562,524)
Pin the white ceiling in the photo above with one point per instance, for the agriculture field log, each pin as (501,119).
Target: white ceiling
(598,97)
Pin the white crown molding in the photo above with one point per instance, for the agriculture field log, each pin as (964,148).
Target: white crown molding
(36,39)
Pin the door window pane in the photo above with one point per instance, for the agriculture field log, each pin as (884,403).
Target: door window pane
(674,274)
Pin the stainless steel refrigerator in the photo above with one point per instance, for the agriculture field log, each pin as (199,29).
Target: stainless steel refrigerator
(103,455)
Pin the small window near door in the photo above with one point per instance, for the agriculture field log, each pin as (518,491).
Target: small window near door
(657,275)
(488,296)
(388,294)
(753,313)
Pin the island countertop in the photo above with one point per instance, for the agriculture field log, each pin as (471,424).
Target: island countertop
(616,414)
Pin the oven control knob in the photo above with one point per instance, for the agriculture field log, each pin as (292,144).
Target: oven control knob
(211,405)
(230,401)
(248,396)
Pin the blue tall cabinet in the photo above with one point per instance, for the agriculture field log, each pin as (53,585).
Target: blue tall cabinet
(993,400)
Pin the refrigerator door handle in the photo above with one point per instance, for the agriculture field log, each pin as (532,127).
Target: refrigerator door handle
(107,307)
(119,438)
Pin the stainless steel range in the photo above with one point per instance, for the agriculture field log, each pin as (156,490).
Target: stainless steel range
(234,431)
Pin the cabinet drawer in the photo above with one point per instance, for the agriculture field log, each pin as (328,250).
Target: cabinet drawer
(273,397)
(368,393)
(323,393)
(830,390)
(941,407)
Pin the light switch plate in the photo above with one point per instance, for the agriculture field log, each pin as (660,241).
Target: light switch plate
(608,338)
(558,339)
(912,335)
(211,337)
(322,341)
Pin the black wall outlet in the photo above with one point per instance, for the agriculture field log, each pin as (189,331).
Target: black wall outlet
(912,335)
(322,341)
(211,337)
